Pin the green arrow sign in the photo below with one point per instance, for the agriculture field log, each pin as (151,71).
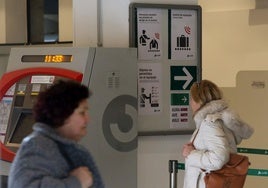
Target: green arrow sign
(182,77)
(180,99)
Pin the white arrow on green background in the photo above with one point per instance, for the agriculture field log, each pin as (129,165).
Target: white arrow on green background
(188,78)
(184,99)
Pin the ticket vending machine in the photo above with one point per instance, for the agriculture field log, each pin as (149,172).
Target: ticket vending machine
(110,73)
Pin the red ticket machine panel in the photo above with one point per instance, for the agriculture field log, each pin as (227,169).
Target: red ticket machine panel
(18,92)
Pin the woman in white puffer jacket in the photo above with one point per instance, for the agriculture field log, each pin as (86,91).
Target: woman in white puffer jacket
(218,132)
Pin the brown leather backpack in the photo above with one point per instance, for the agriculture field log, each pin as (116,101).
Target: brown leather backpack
(231,175)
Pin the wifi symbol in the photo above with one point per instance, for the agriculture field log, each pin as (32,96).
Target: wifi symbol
(187,29)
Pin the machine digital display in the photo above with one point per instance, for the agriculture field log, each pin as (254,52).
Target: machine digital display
(22,128)
(47,58)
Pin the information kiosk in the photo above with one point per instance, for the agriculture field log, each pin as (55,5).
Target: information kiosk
(110,73)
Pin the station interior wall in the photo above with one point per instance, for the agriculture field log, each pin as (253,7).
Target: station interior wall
(234,55)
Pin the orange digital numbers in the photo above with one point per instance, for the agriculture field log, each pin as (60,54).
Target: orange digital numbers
(47,58)
(54,58)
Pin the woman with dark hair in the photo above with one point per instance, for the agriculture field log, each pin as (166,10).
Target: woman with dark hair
(50,156)
(218,132)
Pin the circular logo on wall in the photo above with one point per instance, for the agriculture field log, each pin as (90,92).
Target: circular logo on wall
(119,123)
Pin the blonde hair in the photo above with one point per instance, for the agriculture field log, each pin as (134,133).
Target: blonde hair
(205,91)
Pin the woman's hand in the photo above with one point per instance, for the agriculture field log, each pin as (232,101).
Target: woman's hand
(84,176)
(187,148)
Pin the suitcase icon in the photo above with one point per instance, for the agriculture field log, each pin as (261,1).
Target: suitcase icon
(182,41)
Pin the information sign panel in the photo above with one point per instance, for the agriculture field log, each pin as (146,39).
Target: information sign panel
(168,38)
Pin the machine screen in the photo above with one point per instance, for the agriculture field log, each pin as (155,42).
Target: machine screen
(22,128)
(47,58)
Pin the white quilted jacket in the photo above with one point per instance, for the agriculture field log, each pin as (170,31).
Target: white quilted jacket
(218,132)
